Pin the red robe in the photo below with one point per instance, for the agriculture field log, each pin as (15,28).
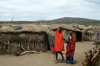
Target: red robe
(59,42)
(70,48)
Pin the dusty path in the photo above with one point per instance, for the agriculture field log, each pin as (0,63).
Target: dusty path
(45,59)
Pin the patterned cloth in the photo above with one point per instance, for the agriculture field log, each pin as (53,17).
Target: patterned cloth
(59,42)
(53,50)
(70,48)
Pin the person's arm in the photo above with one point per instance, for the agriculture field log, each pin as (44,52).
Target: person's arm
(64,39)
(68,41)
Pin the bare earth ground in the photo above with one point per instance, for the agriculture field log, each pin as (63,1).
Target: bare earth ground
(45,59)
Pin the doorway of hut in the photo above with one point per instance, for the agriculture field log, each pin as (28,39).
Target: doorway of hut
(78,36)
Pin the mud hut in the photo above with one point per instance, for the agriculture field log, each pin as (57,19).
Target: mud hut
(30,37)
(81,32)
(66,28)
(88,33)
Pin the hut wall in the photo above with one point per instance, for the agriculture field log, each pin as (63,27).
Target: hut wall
(66,33)
(51,40)
(93,37)
(87,37)
(29,41)
(74,34)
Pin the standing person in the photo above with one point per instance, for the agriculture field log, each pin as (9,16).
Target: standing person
(59,43)
(70,48)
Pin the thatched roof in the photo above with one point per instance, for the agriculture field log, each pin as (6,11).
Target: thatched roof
(45,28)
(48,31)
(68,27)
(89,27)
(25,28)
(81,27)
(74,25)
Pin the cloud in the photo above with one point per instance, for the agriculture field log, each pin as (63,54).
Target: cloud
(32,10)
(94,1)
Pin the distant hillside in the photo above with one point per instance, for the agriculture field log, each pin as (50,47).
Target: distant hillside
(69,19)
(65,20)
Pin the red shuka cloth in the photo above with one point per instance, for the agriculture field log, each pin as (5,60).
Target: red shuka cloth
(59,42)
(70,48)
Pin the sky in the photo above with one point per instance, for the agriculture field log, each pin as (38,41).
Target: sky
(33,10)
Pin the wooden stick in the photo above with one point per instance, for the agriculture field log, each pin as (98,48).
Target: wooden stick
(22,48)
(28,52)
(15,45)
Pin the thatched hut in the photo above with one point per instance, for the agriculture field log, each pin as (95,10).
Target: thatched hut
(30,37)
(80,32)
(88,33)
(66,28)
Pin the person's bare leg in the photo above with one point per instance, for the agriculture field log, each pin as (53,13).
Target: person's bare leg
(62,56)
(56,57)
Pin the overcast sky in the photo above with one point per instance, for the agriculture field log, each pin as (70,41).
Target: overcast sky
(32,10)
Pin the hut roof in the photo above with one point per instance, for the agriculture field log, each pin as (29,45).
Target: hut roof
(68,27)
(89,27)
(48,31)
(56,26)
(25,28)
(81,27)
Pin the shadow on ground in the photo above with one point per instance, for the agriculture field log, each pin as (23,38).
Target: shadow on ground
(60,61)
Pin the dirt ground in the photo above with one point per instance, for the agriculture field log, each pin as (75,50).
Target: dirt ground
(45,59)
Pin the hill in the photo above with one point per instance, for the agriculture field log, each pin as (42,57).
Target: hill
(64,20)
(69,20)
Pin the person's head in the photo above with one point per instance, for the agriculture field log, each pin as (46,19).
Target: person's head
(60,29)
(71,33)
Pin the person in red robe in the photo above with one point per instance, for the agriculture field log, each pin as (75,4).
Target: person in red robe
(59,43)
(70,48)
